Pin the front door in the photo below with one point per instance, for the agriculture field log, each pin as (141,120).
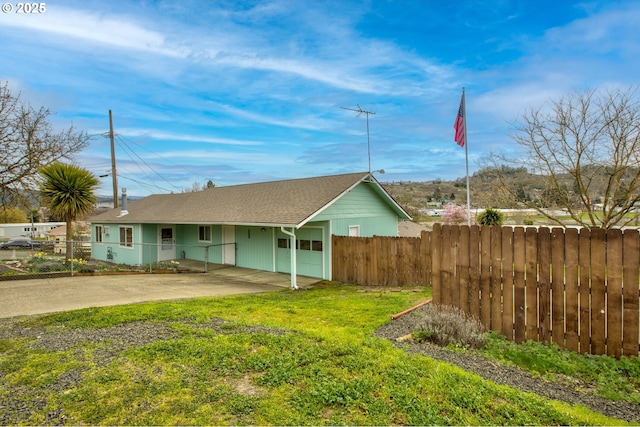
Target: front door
(166,242)
(229,244)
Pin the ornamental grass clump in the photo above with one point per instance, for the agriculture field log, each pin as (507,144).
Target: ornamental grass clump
(445,325)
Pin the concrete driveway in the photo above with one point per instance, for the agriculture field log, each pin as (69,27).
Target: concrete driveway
(50,295)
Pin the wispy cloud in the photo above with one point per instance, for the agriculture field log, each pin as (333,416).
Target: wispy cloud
(252,90)
(152,134)
(361,65)
(93,27)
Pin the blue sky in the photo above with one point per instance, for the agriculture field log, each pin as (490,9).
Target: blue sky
(240,92)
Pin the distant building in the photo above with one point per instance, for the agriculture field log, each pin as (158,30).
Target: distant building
(82,237)
(36,230)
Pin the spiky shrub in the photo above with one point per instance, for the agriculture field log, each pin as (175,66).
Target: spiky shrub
(491,217)
(444,325)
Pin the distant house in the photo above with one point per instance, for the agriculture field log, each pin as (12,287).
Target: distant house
(58,236)
(252,225)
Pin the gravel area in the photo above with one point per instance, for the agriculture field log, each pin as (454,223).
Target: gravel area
(25,401)
(501,374)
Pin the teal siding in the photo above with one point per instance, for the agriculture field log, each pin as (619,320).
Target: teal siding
(254,247)
(149,247)
(215,250)
(186,238)
(368,226)
(110,245)
(361,206)
(188,245)
(309,262)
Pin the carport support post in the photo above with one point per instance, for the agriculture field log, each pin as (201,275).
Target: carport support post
(292,237)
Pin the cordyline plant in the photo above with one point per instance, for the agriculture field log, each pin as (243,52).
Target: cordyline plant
(491,217)
(69,192)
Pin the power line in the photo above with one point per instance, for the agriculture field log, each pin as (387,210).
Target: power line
(124,144)
(164,158)
(145,183)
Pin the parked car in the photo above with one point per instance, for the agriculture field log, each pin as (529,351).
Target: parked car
(22,244)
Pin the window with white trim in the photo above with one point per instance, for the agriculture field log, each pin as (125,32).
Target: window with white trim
(354,231)
(126,237)
(98,233)
(204,233)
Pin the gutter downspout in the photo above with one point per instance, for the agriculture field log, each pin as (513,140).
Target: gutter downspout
(292,235)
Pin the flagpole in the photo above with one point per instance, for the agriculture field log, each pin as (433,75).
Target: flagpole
(460,137)
(466,155)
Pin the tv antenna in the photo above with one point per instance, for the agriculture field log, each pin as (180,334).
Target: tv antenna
(360,111)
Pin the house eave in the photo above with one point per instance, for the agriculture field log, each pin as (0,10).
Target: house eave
(168,222)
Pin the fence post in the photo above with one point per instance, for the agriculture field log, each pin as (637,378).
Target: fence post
(436,256)
(598,282)
(474,270)
(71,256)
(507,282)
(571,289)
(630,247)
(584,262)
(557,286)
(544,284)
(519,287)
(496,278)
(485,276)
(614,292)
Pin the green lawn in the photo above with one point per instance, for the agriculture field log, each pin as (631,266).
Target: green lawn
(283,358)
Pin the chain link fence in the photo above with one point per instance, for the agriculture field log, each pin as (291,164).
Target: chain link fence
(50,259)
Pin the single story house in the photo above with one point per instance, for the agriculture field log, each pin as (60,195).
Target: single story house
(82,238)
(281,226)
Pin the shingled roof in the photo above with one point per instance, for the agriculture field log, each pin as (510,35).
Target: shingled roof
(289,203)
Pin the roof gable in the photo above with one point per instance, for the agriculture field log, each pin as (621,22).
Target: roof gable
(278,203)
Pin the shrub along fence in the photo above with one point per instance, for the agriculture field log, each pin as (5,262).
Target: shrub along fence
(576,288)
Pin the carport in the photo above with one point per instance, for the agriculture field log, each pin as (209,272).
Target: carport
(249,275)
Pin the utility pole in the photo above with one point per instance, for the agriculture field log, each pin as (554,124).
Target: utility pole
(113,163)
(361,111)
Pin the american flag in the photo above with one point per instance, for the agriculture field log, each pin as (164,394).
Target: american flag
(459,125)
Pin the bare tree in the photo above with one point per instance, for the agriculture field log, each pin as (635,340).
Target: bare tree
(196,186)
(27,143)
(586,146)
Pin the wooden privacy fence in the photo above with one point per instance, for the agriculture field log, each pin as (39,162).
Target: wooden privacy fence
(576,288)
